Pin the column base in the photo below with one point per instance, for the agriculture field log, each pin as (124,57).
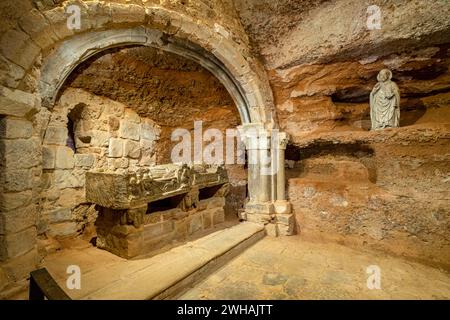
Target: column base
(282,207)
(258,212)
(277,229)
(260,208)
(276,217)
(285,224)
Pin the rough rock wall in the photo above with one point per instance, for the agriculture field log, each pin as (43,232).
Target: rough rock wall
(322,97)
(289,33)
(385,190)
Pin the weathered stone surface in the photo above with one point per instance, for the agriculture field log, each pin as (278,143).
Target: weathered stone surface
(131,116)
(64,158)
(99,138)
(215,202)
(149,132)
(181,228)
(286,219)
(258,217)
(35,25)
(58,19)
(147,160)
(127,13)
(10,75)
(70,197)
(18,47)
(285,230)
(341,199)
(69,178)
(48,157)
(84,160)
(207,219)
(11,128)
(118,163)
(271,230)
(129,130)
(115,148)
(21,153)
(63,229)
(218,216)
(11,201)
(153,230)
(114,123)
(56,135)
(4,280)
(132,149)
(296,32)
(16,180)
(147,145)
(17,103)
(20,267)
(59,215)
(196,223)
(16,244)
(17,220)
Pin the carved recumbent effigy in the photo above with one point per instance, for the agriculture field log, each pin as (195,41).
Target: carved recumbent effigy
(142,211)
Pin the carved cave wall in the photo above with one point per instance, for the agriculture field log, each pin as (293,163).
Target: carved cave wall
(385,190)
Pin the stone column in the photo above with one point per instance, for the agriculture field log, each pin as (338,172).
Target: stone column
(284,218)
(265,167)
(253,170)
(259,207)
(281,205)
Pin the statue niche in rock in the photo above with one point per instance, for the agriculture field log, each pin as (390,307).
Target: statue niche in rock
(385,102)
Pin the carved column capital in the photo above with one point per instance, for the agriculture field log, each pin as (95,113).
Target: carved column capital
(281,140)
(255,137)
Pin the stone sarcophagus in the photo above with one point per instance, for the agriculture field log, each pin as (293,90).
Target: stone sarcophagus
(142,211)
(131,190)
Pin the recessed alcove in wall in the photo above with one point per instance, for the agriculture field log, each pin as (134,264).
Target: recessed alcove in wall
(165,204)
(120,108)
(208,192)
(329,159)
(170,89)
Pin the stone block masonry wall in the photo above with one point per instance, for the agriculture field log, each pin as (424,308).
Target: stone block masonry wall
(20,162)
(85,132)
(153,231)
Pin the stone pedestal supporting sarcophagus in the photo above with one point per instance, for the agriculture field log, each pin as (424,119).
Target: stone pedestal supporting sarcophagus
(142,211)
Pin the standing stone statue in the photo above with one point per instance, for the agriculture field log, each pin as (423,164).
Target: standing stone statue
(385,102)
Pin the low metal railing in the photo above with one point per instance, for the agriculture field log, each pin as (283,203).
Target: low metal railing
(43,286)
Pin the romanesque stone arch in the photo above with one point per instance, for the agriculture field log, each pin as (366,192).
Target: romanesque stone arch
(108,25)
(81,47)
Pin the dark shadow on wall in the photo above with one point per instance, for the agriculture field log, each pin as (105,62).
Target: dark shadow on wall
(3,249)
(356,94)
(352,151)
(411,112)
